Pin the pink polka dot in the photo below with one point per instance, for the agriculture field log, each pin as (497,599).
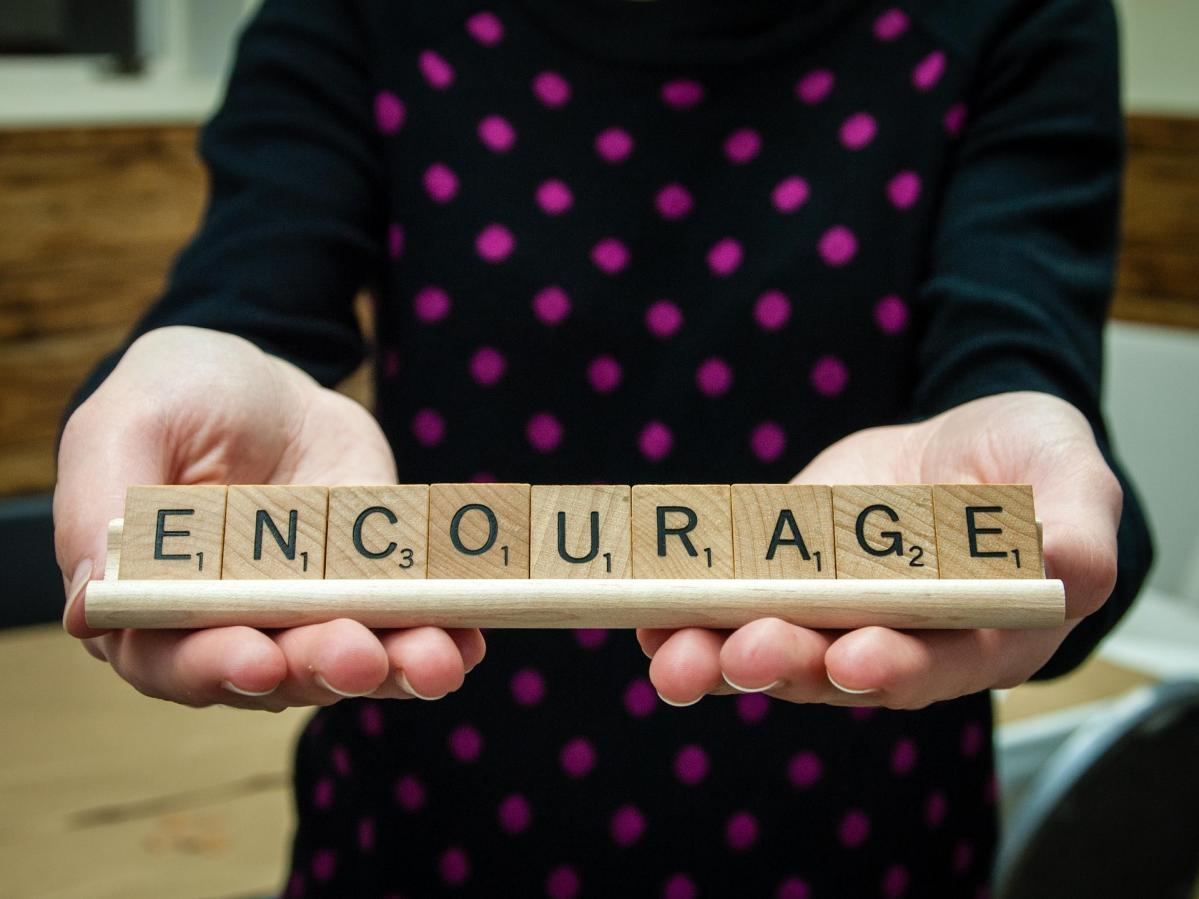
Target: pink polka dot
(562,883)
(663,318)
(324,863)
(578,757)
(862,713)
(551,305)
(891,314)
(903,756)
(928,71)
(591,637)
(991,790)
(495,243)
(341,760)
(714,377)
(441,184)
(772,310)
(891,24)
(934,809)
(682,93)
(322,793)
(514,814)
(815,86)
(544,432)
(955,119)
(829,376)
(725,257)
(614,144)
(431,304)
(838,246)
(428,427)
(395,241)
(742,146)
(486,28)
(768,440)
(680,886)
(854,829)
(438,73)
(895,882)
(904,190)
(554,197)
(972,739)
(409,793)
(640,698)
(610,256)
(390,112)
(858,130)
(487,366)
(673,201)
(528,687)
(790,193)
(604,374)
(752,707)
(483,477)
(370,719)
(497,133)
(963,855)
(551,89)
(794,888)
(391,364)
(804,769)
(466,743)
(455,866)
(741,832)
(655,441)
(691,764)
(366,834)
(628,825)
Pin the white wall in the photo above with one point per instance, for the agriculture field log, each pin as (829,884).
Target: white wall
(1160,40)
(1152,406)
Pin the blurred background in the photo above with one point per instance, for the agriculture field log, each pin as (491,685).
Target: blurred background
(107,793)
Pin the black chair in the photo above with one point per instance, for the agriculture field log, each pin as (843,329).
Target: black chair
(1114,814)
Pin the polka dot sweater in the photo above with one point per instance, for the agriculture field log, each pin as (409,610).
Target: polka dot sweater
(675,241)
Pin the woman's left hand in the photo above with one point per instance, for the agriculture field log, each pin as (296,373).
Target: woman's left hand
(1012,438)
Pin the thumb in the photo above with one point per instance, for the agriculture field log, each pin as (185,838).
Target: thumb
(106,446)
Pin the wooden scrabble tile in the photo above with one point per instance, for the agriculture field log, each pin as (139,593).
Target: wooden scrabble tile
(580,531)
(986,531)
(783,531)
(173,533)
(682,531)
(275,532)
(479,531)
(378,532)
(884,532)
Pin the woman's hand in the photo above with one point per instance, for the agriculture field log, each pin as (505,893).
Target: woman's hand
(192,406)
(1021,438)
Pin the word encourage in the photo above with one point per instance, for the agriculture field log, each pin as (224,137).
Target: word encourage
(648,531)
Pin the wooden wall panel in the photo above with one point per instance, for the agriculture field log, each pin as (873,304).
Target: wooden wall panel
(92,218)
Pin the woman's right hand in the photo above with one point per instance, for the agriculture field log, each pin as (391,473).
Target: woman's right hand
(192,406)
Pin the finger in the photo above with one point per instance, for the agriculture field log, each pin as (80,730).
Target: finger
(331,661)
(910,670)
(772,655)
(652,638)
(426,662)
(471,645)
(197,668)
(687,665)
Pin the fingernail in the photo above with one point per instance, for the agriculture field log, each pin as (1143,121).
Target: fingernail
(83,574)
(321,682)
(847,690)
(234,688)
(741,689)
(402,680)
(680,705)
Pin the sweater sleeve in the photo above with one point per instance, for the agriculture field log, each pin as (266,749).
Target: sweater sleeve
(294,222)
(1024,253)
